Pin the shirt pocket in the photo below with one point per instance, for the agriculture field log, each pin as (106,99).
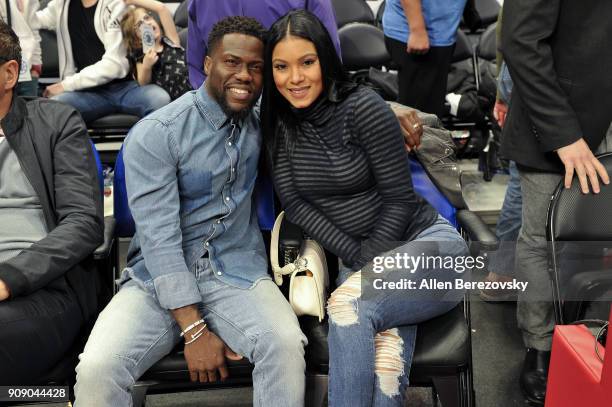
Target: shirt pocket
(195,186)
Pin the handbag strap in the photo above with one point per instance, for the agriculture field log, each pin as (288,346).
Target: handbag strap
(277,270)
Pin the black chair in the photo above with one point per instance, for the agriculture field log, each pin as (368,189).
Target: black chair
(379,14)
(181,15)
(352,11)
(487,44)
(580,224)
(183,37)
(363,46)
(488,10)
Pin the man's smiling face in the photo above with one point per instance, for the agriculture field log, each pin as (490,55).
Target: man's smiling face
(235,73)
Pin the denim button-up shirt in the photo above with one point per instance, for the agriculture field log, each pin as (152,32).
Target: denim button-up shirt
(190,173)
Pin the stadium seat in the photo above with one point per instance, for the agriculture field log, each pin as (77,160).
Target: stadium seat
(181,15)
(487,44)
(579,232)
(442,358)
(363,46)
(352,11)
(488,10)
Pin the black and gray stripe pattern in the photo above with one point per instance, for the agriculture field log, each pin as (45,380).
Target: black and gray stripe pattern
(346,181)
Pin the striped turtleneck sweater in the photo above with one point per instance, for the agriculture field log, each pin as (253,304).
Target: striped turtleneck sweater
(346,180)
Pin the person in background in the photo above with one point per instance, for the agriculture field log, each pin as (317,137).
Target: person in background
(558,55)
(420,36)
(51,222)
(164,64)
(20,16)
(92,60)
(203,14)
(501,263)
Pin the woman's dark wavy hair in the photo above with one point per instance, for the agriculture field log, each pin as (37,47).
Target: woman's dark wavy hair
(279,123)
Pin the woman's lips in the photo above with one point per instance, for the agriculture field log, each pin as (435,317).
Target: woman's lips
(299,93)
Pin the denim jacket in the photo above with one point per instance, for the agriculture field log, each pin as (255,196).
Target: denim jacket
(190,173)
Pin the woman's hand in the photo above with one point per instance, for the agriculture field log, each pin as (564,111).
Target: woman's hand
(150,58)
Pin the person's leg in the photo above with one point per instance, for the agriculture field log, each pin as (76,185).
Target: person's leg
(534,308)
(131,334)
(91,104)
(28,88)
(422,78)
(141,100)
(258,323)
(535,313)
(501,264)
(35,333)
(371,334)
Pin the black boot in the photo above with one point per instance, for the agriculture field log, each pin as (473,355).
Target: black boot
(534,375)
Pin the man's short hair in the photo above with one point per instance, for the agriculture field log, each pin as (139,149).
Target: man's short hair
(235,25)
(9,44)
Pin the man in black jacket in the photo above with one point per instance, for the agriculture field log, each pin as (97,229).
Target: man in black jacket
(51,220)
(558,53)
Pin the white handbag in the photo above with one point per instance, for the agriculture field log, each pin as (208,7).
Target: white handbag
(309,280)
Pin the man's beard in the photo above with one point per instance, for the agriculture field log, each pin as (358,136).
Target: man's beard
(235,115)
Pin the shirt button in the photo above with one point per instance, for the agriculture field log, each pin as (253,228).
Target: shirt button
(218,220)
(219,273)
(227,199)
(229,144)
(233,169)
(207,244)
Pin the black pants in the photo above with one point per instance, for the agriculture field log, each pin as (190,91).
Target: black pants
(422,78)
(35,333)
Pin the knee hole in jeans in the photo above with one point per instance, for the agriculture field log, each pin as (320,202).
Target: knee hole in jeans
(389,361)
(342,304)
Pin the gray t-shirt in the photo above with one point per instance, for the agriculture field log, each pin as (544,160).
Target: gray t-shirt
(22,221)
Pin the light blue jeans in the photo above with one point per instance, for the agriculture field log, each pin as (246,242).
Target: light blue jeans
(133,332)
(116,97)
(372,335)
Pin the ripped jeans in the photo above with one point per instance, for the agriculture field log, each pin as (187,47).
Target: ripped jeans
(372,333)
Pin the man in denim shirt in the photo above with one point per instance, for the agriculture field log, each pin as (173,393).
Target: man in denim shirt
(198,254)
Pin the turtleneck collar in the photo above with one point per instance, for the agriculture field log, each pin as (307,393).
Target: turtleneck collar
(318,113)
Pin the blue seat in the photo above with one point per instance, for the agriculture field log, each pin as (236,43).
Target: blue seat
(424,187)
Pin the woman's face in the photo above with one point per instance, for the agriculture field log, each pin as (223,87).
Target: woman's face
(297,72)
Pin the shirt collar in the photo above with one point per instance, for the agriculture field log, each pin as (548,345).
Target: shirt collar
(210,108)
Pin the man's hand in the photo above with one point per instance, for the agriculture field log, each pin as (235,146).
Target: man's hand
(418,42)
(411,125)
(207,355)
(53,90)
(577,157)
(4,291)
(500,110)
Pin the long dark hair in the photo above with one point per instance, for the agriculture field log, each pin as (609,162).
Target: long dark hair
(279,123)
